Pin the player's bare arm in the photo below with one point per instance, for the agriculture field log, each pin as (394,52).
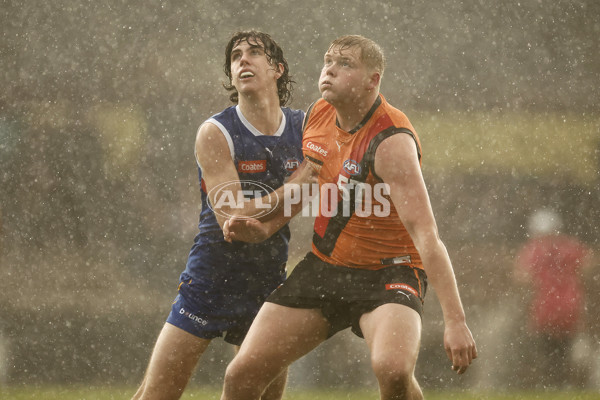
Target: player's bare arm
(214,157)
(252,230)
(396,162)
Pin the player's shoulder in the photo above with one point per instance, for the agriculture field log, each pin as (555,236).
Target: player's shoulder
(225,115)
(321,105)
(217,128)
(294,116)
(319,110)
(223,121)
(397,116)
(292,112)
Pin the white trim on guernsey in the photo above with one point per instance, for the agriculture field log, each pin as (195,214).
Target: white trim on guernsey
(255,131)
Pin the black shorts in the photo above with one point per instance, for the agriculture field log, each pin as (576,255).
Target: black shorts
(344,294)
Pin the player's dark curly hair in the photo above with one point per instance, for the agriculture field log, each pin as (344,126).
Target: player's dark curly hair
(274,55)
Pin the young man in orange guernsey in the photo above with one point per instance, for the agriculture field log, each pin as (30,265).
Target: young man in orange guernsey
(375,242)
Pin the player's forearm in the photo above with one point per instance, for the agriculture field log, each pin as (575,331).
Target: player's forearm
(288,203)
(279,217)
(277,204)
(252,230)
(260,208)
(275,224)
(441,276)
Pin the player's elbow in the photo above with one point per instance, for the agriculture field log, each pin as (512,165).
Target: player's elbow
(426,241)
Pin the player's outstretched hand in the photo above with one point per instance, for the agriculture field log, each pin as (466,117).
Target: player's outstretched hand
(244,229)
(460,346)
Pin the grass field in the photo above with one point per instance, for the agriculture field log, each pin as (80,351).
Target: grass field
(62,393)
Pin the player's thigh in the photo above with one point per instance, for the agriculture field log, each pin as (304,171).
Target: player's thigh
(393,335)
(280,335)
(176,352)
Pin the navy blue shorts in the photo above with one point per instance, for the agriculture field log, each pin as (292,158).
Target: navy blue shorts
(209,309)
(344,294)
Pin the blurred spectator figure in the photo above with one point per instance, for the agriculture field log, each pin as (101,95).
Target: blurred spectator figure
(552,263)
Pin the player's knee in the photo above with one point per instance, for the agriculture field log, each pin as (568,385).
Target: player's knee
(245,377)
(233,374)
(239,375)
(392,371)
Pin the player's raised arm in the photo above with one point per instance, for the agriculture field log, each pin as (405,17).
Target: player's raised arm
(397,163)
(214,158)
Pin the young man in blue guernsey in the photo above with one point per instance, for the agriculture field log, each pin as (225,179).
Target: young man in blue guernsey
(244,154)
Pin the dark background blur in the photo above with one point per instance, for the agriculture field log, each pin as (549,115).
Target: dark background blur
(99,105)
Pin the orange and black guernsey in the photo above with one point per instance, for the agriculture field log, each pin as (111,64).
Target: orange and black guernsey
(357,225)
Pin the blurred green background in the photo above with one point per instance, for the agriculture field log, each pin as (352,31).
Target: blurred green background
(99,106)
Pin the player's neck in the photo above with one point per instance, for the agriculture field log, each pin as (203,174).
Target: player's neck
(352,113)
(264,113)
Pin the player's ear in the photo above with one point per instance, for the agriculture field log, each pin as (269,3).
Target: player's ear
(374,80)
(279,70)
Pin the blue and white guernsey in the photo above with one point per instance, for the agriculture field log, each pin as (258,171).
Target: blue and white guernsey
(230,280)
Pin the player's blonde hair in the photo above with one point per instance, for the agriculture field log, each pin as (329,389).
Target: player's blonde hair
(370,52)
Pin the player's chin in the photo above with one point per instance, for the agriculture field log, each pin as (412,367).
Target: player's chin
(327,94)
(334,99)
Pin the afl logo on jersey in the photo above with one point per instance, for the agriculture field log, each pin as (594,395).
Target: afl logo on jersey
(352,167)
(291,164)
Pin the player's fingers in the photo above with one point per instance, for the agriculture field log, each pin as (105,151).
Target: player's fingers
(474,352)
(464,359)
(227,232)
(448,352)
(457,362)
(471,353)
(459,369)
(460,360)
(315,168)
(226,228)
(249,223)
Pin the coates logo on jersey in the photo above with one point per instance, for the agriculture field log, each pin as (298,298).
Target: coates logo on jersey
(227,197)
(401,286)
(352,167)
(317,148)
(291,164)
(252,166)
